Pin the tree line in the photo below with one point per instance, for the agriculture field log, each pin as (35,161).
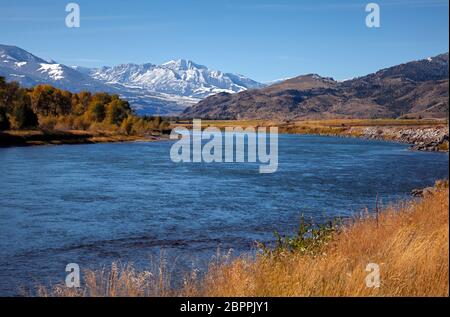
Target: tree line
(50,108)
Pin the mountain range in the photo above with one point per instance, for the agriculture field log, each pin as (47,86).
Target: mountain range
(151,89)
(414,89)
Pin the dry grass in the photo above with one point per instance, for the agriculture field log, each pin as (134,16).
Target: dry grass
(354,127)
(409,242)
(329,127)
(117,281)
(325,123)
(371,122)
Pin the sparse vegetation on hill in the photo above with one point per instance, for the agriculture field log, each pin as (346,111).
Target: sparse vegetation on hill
(417,89)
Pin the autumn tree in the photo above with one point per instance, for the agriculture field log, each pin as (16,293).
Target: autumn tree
(80,102)
(50,101)
(20,108)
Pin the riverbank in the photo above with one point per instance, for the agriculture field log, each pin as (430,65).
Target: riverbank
(40,137)
(407,242)
(423,135)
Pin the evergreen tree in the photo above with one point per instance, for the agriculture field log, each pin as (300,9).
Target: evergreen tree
(24,116)
(96,111)
(4,121)
(116,111)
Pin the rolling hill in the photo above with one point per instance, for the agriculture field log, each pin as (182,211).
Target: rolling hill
(414,89)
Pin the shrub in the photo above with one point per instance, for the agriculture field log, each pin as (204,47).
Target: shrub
(127,125)
(81,123)
(47,122)
(309,239)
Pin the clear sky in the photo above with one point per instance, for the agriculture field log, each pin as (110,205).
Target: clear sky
(262,39)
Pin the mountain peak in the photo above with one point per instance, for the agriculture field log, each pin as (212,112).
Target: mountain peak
(182,64)
(303,82)
(10,53)
(179,77)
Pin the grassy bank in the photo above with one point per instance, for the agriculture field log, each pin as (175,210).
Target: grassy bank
(423,134)
(299,125)
(386,129)
(409,242)
(40,137)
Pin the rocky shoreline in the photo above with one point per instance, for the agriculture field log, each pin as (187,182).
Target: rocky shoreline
(423,192)
(420,138)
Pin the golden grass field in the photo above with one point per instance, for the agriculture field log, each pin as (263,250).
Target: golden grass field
(409,241)
(334,127)
(391,128)
(324,122)
(331,127)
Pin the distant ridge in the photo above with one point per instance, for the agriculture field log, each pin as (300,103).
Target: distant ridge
(414,89)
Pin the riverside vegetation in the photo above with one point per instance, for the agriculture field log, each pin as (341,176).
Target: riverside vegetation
(409,241)
(48,114)
(421,134)
(45,114)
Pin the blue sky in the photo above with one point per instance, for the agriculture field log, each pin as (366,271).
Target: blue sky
(263,39)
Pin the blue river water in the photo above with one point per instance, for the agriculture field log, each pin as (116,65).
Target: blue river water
(95,204)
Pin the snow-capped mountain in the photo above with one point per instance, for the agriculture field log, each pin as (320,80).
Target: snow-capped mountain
(177,77)
(151,89)
(29,70)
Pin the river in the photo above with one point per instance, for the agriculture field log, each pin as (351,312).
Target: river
(94,204)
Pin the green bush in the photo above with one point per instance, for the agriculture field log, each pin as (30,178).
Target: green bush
(309,239)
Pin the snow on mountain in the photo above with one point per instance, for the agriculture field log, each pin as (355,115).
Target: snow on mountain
(178,77)
(20,64)
(54,71)
(151,89)
(29,70)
